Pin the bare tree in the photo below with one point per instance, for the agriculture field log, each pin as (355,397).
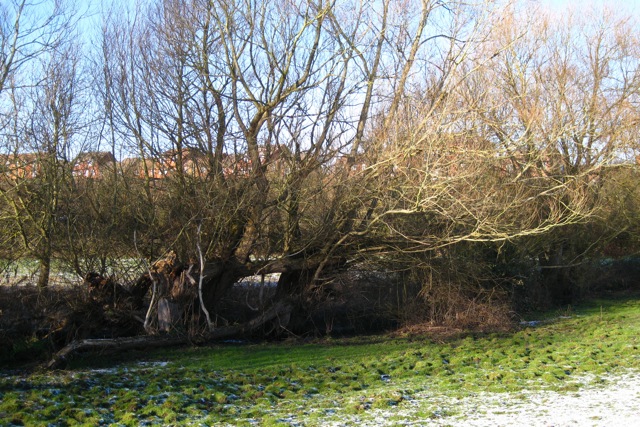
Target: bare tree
(336,133)
(563,95)
(294,87)
(40,120)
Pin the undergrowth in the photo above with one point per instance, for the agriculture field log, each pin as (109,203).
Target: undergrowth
(345,381)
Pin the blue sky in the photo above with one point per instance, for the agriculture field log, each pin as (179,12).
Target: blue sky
(561,5)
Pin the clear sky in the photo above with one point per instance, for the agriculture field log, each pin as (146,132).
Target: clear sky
(563,5)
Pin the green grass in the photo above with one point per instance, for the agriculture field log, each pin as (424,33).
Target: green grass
(339,380)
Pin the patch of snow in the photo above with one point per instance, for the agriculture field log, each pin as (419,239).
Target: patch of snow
(534,323)
(531,323)
(613,401)
(153,364)
(120,370)
(269,280)
(115,370)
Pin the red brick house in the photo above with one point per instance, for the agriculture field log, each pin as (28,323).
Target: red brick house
(93,164)
(20,166)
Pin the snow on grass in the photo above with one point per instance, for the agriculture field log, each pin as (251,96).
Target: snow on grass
(611,400)
(579,370)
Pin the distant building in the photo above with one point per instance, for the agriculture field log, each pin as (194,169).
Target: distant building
(141,168)
(194,162)
(357,164)
(240,164)
(20,166)
(93,164)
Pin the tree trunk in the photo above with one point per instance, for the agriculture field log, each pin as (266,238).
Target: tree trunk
(168,314)
(219,278)
(292,284)
(44,271)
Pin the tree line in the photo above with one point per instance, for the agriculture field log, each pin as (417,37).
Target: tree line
(463,148)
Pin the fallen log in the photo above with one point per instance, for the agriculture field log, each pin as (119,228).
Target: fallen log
(279,312)
(111,344)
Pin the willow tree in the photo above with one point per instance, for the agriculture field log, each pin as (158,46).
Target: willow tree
(506,144)
(278,99)
(334,132)
(561,110)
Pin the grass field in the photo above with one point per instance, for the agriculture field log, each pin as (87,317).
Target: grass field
(340,381)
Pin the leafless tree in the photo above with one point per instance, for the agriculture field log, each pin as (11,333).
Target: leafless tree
(333,133)
(40,91)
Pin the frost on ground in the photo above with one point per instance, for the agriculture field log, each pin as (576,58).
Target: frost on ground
(607,400)
(612,401)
